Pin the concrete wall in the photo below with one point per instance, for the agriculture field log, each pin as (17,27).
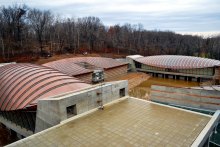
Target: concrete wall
(52,111)
(131,62)
(196,98)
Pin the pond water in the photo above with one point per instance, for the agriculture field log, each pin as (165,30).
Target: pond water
(143,90)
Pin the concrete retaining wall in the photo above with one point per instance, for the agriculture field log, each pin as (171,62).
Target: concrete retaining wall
(197,98)
(52,111)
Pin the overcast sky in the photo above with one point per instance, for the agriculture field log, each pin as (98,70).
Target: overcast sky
(181,16)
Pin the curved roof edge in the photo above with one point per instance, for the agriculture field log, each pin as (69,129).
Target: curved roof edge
(178,61)
(22,85)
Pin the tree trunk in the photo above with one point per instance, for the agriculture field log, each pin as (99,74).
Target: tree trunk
(78,41)
(3,49)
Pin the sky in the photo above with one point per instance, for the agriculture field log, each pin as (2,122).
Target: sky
(200,17)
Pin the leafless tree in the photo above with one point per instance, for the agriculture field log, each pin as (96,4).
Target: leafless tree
(40,20)
(23,30)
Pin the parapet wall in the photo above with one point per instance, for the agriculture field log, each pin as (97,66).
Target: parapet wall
(196,98)
(53,110)
(203,138)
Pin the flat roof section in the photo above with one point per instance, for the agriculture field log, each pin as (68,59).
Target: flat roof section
(130,122)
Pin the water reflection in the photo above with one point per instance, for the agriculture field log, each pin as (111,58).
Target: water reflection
(143,90)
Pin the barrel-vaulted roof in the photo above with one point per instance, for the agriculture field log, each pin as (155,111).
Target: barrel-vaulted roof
(177,61)
(22,85)
(71,66)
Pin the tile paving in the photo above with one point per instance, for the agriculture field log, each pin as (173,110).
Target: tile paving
(130,122)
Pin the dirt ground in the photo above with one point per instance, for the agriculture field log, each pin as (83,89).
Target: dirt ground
(134,79)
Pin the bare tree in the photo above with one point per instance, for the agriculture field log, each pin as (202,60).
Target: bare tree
(12,21)
(39,21)
(23,30)
(1,35)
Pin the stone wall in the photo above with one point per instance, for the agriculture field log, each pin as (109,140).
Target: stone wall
(53,110)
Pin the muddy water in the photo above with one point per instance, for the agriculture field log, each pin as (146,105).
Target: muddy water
(143,90)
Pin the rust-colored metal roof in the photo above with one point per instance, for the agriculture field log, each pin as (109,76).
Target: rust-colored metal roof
(67,67)
(24,84)
(177,61)
(71,67)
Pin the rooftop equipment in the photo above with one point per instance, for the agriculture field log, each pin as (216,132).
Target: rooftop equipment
(97,76)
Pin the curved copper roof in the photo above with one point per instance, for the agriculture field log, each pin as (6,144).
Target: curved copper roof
(177,61)
(22,85)
(70,65)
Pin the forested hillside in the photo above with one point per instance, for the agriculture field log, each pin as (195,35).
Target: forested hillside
(29,33)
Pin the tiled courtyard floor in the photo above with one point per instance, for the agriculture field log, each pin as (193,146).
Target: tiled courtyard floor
(130,122)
